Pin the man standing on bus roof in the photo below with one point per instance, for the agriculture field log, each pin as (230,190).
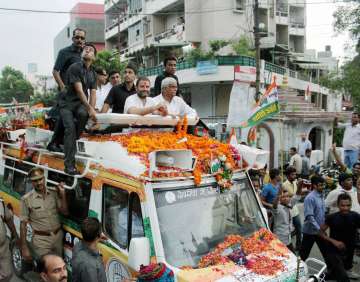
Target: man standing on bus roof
(66,57)
(40,208)
(170,69)
(76,103)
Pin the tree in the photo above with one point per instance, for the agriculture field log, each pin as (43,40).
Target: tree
(109,61)
(243,47)
(13,84)
(48,98)
(347,18)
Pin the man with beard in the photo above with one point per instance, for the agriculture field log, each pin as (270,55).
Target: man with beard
(40,208)
(52,268)
(66,57)
(140,103)
(81,79)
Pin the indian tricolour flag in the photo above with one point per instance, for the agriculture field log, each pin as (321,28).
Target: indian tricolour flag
(267,106)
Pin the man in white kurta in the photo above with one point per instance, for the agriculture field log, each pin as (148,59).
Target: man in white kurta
(140,103)
(175,105)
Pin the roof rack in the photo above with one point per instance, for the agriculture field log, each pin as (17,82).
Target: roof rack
(45,167)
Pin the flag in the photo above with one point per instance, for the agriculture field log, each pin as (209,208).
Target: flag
(267,106)
(308,94)
(233,140)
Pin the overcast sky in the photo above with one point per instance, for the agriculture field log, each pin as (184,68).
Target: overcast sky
(28,37)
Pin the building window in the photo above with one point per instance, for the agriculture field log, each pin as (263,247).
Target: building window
(118,225)
(68,32)
(239,5)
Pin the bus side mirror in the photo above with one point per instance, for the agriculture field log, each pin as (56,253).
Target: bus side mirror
(139,252)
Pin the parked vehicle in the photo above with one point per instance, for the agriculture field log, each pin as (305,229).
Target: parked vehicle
(205,229)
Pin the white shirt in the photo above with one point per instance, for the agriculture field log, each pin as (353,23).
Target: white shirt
(351,140)
(135,101)
(331,199)
(303,145)
(101,94)
(177,106)
(296,161)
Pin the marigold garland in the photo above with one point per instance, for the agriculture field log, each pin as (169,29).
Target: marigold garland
(254,247)
(204,149)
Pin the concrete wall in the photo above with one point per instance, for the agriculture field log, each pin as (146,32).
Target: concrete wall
(225,23)
(287,135)
(203,100)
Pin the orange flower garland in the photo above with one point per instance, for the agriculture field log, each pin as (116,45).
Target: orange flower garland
(143,142)
(254,247)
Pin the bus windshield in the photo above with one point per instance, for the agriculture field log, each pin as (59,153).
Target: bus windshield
(193,221)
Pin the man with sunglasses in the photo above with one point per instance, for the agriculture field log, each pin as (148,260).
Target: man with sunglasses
(40,208)
(77,103)
(66,57)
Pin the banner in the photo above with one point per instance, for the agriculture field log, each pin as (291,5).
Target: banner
(244,111)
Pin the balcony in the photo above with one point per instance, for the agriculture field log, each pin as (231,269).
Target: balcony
(297,3)
(113,5)
(297,28)
(173,35)
(154,7)
(282,18)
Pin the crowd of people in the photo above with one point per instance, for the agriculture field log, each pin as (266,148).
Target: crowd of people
(331,221)
(85,91)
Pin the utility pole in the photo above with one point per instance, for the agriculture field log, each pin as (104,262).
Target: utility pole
(257,49)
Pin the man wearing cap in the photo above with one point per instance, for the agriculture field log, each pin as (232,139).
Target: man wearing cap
(345,186)
(40,208)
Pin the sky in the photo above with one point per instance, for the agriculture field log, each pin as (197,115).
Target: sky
(28,37)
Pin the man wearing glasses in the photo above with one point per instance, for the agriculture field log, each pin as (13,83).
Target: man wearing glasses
(40,208)
(77,103)
(66,57)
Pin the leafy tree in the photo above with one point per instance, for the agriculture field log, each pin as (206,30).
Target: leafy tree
(13,84)
(348,18)
(216,45)
(48,98)
(109,61)
(197,54)
(243,47)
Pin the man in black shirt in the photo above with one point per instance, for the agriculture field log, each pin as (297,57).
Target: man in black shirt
(343,230)
(118,94)
(170,69)
(81,78)
(66,57)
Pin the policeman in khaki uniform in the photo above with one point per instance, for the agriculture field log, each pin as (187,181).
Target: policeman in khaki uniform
(6,217)
(40,208)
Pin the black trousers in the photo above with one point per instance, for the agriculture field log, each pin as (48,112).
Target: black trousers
(72,130)
(334,261)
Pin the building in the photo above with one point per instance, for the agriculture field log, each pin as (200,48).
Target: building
(87,16)
(149,29)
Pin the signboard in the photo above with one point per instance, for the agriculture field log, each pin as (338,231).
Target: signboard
(245,73)
(207,67)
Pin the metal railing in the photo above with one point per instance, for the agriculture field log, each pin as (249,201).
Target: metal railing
(42,152)
(227,61)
